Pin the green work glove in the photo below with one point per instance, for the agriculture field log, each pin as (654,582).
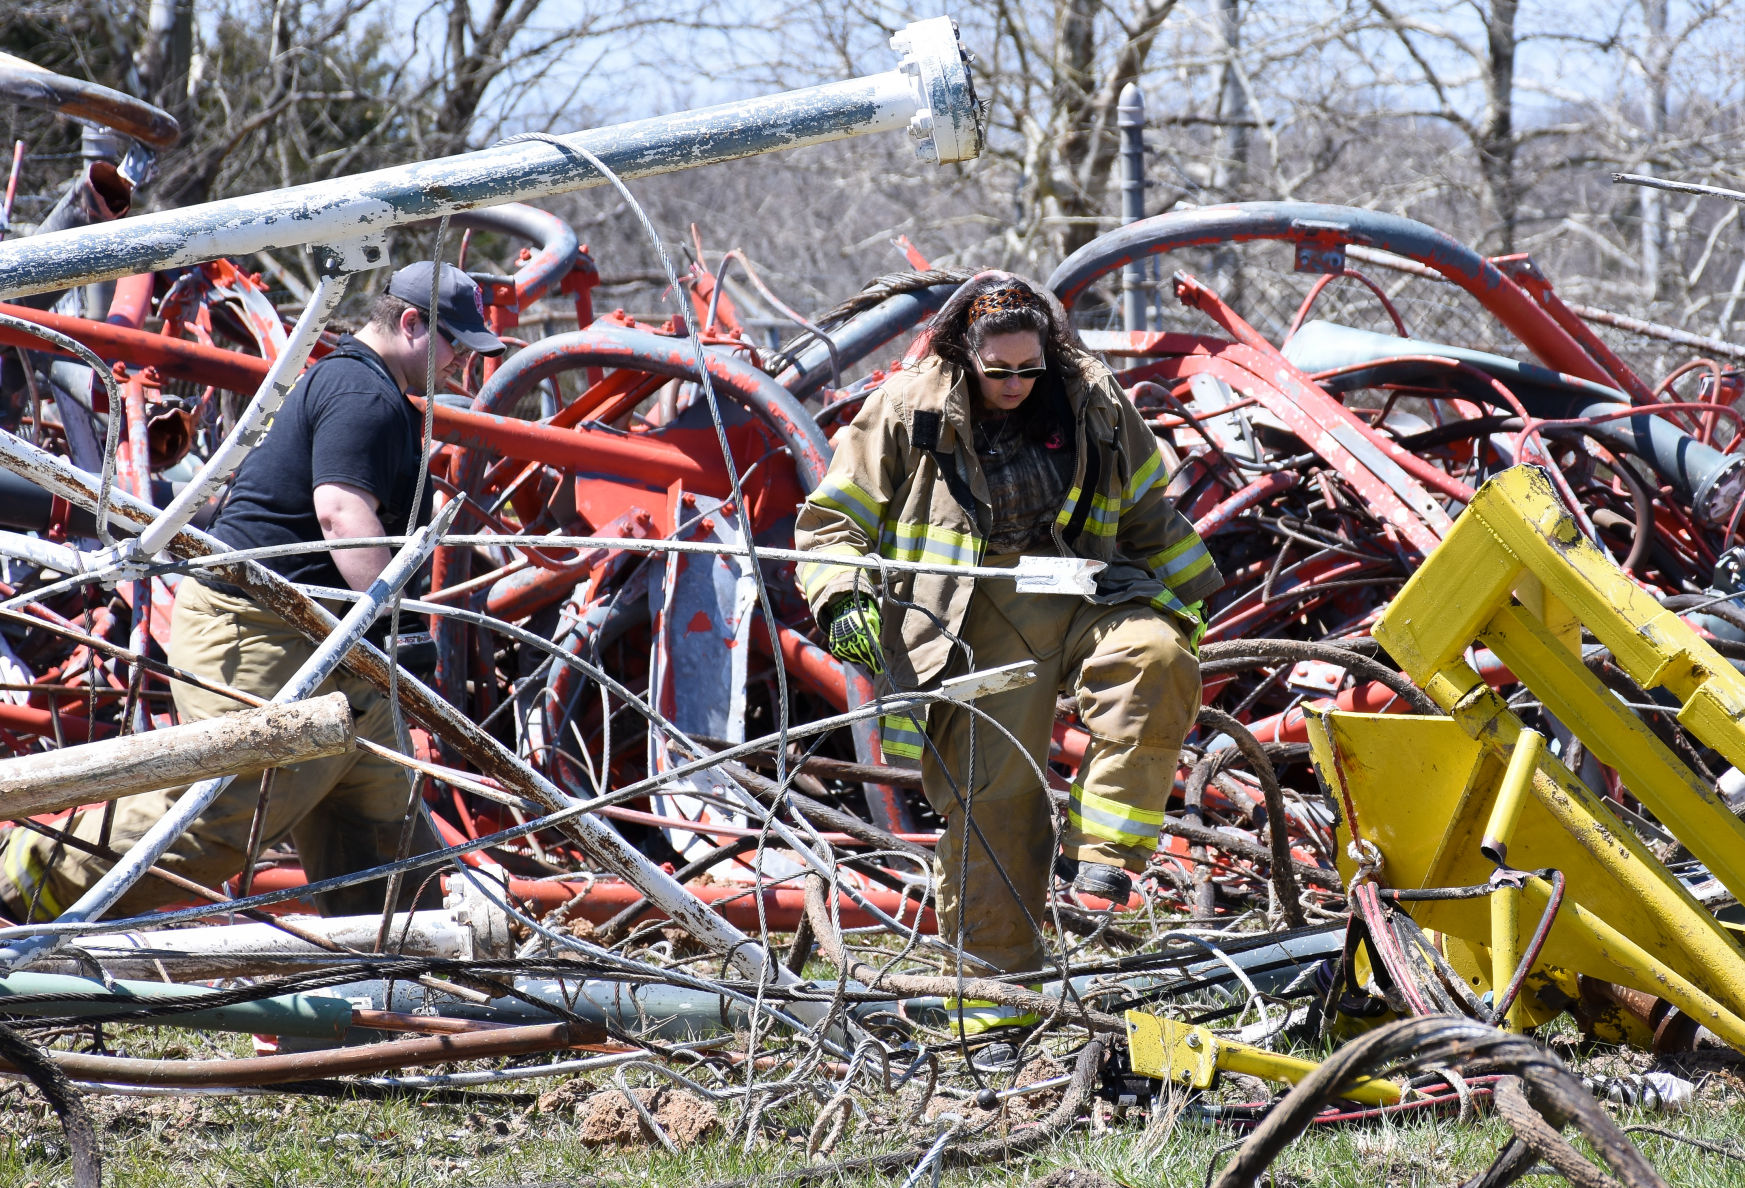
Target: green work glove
(1197,632)
(851,631)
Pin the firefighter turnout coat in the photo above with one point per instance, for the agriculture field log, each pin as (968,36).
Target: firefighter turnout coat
(905,484)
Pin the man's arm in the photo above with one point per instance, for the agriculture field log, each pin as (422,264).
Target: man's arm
(348,513)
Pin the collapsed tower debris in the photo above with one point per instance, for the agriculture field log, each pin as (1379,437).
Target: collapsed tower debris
(628,694)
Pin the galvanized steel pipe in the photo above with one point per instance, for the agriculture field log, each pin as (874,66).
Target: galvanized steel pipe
(930,93)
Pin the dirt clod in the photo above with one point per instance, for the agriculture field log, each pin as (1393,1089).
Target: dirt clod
(607,1119)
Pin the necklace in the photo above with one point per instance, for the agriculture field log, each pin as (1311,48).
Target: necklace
(996,438)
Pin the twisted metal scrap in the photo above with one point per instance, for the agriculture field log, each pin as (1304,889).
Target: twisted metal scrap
(28,1059)
(1552,1095)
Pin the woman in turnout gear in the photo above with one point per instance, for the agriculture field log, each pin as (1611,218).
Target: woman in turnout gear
(1006,438)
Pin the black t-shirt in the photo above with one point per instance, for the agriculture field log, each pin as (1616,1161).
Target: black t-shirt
(345,421)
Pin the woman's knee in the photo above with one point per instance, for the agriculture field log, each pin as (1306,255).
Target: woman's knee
(1140,682)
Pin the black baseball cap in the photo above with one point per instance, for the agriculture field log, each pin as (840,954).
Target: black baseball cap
(460,307)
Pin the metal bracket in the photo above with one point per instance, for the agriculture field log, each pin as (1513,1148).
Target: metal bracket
(990,681)
(948,126)
(1058,575)
(121,562)
(1190,1055)
(352,255)
(138,165)
(1321,257)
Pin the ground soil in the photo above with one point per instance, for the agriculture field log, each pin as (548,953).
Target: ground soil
(607,1119)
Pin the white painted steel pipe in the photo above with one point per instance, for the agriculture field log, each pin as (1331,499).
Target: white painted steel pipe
(261,950)
(252,426)
(166,829)
(930,93)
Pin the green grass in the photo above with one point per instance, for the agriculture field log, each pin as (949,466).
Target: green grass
(281,1141)
(287,1142)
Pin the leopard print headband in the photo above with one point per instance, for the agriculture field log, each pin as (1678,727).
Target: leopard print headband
(1008,298)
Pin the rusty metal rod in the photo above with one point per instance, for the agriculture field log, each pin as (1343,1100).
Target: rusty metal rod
(300,1066)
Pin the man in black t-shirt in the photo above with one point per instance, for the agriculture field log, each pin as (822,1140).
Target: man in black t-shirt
(341,461)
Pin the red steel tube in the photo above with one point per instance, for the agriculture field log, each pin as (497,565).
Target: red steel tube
(25,719)
(783,906)
(654,464)
(814,668)
(1371,697)
(175,358)
(132,301)
(300,1066)
(1259,491)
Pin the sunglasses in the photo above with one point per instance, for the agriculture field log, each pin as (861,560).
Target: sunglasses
(440,331)
(1006,373)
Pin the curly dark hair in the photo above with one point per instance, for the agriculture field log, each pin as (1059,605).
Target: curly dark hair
(956,338)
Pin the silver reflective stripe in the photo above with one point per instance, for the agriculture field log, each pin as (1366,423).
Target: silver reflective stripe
(923,542)
(1114,828)
(847,498)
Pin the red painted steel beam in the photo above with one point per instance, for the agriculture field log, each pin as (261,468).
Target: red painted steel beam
(174,358)
(1326,427)
(644,460)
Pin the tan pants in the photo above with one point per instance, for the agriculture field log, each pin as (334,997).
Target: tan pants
(1137,686)
(343,812)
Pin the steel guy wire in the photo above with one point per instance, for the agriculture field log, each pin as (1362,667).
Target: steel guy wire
(575,809)
(103,570)
(749,803)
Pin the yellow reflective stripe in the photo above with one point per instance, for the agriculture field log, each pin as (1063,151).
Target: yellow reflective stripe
(1104,517)
(906,541)
(1182,561)
(901,737)
(29,877)
(1167,602)
(813,576)
(1144,478)
(1066,509)
(845,497)
(1100,817)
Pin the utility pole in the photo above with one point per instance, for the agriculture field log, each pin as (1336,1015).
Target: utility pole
(1130,118)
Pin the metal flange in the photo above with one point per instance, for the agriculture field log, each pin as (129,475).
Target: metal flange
(948,124)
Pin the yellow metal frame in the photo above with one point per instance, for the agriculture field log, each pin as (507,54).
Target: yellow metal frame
(1445,799)
(1422,792)
(1515,537)
(1191,1055)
